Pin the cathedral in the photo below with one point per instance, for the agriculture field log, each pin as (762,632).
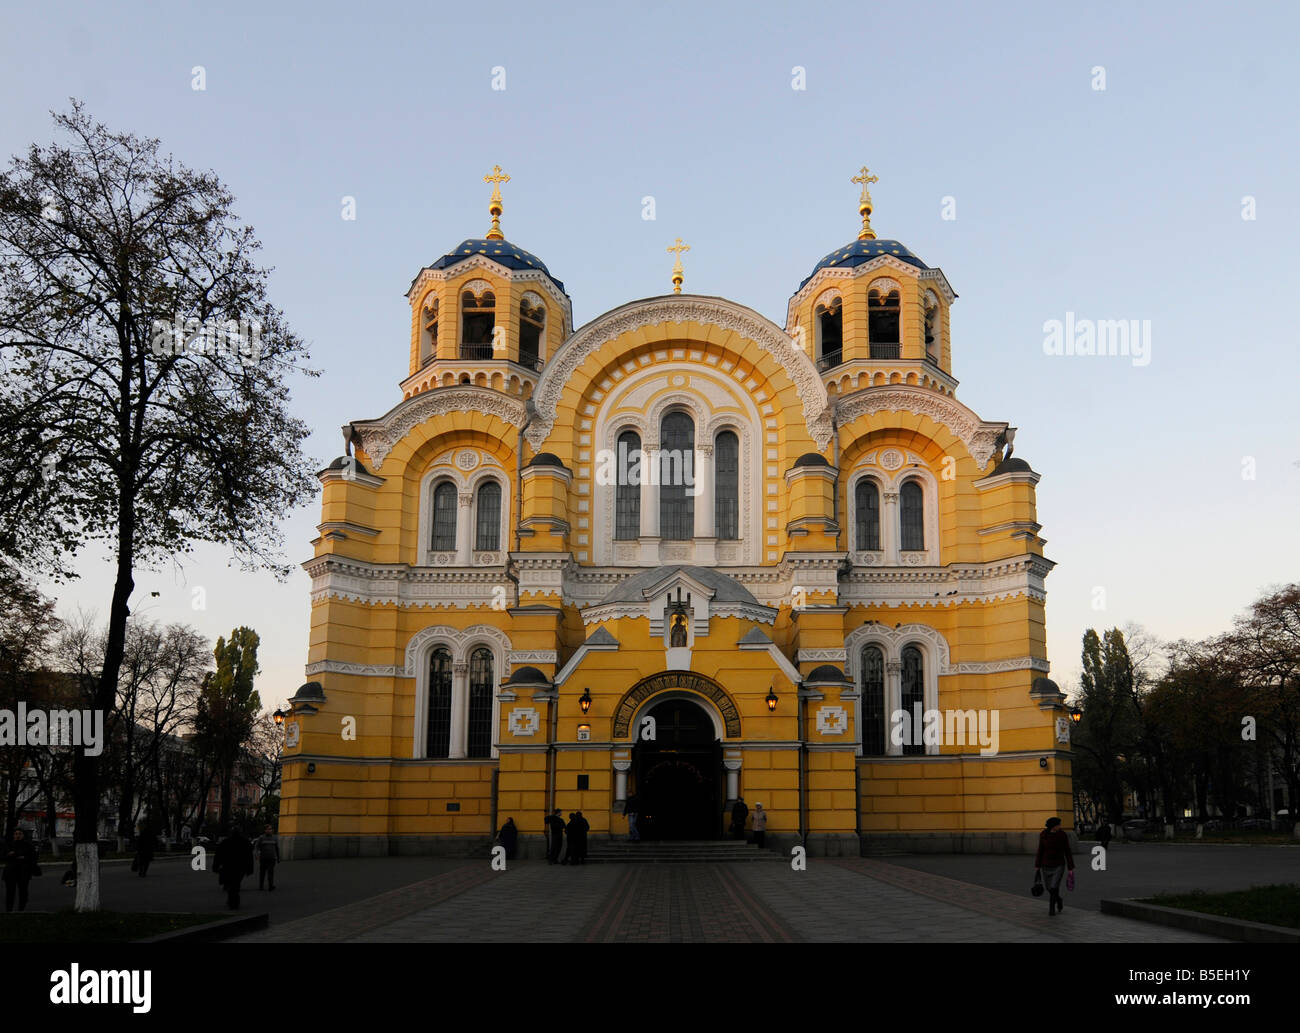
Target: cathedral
(683,555)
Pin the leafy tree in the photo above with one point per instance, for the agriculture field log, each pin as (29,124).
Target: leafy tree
(115,429)
(228,707)
(1108,731)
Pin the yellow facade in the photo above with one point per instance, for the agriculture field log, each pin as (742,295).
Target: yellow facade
(853,543)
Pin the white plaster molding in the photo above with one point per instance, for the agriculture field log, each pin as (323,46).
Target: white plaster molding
(379,436)
(657,311)
(524,721)
(832,720)
(979,436)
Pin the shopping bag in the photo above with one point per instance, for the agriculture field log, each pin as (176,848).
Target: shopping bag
(1037,888)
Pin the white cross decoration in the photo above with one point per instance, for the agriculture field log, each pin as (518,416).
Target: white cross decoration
(524,721)
(832,720)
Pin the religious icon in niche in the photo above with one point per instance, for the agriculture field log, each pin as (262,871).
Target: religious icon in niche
(677,636)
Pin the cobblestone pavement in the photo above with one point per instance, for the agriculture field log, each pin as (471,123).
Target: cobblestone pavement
(843,900)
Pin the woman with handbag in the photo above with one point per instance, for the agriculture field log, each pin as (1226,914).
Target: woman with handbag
(1051,862)
(20,866)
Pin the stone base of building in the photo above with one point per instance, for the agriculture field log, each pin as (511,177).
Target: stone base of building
(956,843)
(304,848)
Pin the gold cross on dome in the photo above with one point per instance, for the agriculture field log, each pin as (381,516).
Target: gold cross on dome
(864,203)
(678,272)
(496,178)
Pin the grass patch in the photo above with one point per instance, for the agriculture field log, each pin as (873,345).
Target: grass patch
(93,926)
(1272,905)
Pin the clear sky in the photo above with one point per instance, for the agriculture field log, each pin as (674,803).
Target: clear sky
(1122,203)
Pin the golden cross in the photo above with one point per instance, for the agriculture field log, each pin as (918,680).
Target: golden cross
(496,179)
(494,204)
(678,276)
(864,179)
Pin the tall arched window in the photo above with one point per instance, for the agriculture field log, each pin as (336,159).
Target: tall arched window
(479,739)
(444,517)
(932,330)
(830,333)
(487,534)
(532,320)
(437,741)
(867,510)
(627,486)
(676,476)
(873,702)
(726,485)
(429,337)
(478,317)
(912,517)
(913,692)
(882,323)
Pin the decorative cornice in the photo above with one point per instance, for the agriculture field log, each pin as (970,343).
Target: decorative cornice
(684,308)
(980,437)
(379,436)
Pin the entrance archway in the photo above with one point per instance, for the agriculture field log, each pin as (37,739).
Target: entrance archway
(678,773)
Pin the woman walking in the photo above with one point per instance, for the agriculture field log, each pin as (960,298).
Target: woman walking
(1052,859)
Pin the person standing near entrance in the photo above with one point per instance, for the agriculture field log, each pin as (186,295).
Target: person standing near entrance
(739,812)
(268,856)
(578,827)
(630,806)
(760,824)
(555,827)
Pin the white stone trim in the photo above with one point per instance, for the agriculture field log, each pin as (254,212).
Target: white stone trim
(379,436)
(461,644)
(979,436)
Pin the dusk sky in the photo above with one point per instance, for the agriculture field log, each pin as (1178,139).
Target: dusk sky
(1169,196)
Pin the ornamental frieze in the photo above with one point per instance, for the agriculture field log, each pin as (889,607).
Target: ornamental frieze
(657,683)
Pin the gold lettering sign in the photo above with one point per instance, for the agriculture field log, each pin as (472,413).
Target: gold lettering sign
(658,683)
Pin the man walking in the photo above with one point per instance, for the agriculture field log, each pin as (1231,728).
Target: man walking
(760,824)
(234,861)
(268,856)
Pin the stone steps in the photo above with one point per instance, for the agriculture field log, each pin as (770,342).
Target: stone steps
(710,851)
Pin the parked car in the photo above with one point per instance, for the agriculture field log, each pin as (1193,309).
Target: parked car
(1247,824)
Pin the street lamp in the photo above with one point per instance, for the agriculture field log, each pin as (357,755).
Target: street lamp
(585,700)
(279,716)
(1076,715)
(771,699)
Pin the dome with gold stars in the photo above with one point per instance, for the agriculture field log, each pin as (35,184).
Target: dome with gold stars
(858,251)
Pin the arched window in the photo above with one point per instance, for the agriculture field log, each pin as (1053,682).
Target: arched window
(437,741)
(882,323)
(676,477)
(912,517)
(487,533)
(726,485)
(873,702)
(478,317)
(867,511)
(627,486)
(913,692)
(932,330)
(532,320)
(479,739)
(829,319)
(429,337)
(444,517)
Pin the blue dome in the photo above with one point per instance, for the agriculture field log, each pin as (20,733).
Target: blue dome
(860,251)
(507,254)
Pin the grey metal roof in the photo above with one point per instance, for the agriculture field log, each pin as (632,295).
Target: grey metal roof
(726,589)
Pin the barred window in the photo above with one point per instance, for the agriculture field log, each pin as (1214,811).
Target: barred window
(488,532)
(882,324)
(429,340)
(438,731)
(478,318)
(677,468)
(873,702)
(627,495)
(913,692)
(532,319)
(912,516)
(830,333)
(444,517)
(726,485)
(480,703)
(867,511)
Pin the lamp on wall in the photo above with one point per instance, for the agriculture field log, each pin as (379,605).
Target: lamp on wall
(771,699)
(585,700)
(279,716)
(1076,715)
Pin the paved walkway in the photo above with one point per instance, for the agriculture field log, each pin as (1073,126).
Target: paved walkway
(840,900)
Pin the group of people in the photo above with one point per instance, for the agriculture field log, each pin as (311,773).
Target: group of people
(571,836)
(740,814)
(234,860)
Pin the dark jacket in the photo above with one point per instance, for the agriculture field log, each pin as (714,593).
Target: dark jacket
(20,861)
(1054,849)
(234,858)
(578,829)
(556,824)
(739,812)
(631,806)
(509,836)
